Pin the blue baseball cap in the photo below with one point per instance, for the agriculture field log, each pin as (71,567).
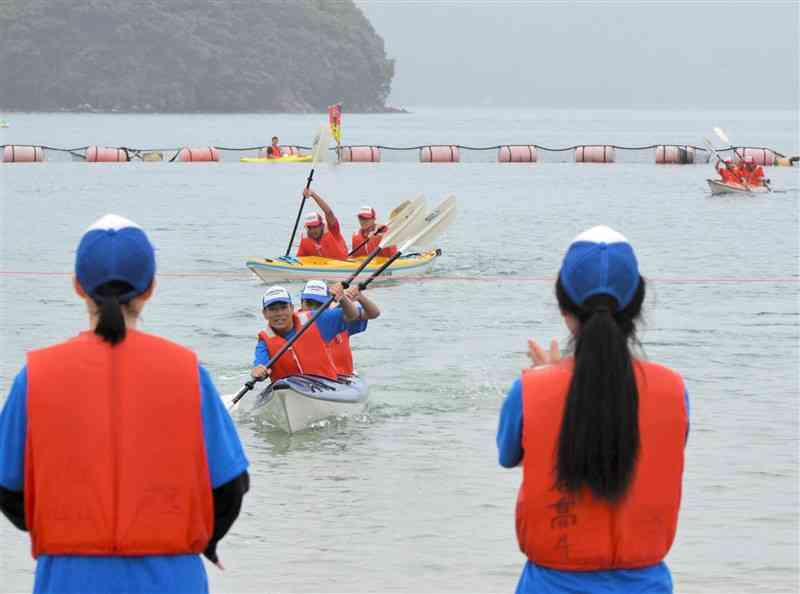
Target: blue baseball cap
(315,290)
(115,249)
(275,294)
(600,261)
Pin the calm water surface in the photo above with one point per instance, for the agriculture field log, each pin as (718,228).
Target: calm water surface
(409,497)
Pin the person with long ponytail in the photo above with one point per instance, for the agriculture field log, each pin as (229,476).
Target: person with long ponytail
(600,436)
(118,455)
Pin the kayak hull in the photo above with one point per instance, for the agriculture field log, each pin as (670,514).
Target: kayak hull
(316,268)
(720,187)
(285,159)
(296,402)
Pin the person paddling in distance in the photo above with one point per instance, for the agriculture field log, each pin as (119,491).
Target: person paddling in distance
(319,241)
(752,173)
(369,236)
(274,150)
(118,456)
(600,436)
(310,354)
(314,294)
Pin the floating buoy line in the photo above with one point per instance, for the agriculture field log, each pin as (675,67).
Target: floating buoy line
(666,154)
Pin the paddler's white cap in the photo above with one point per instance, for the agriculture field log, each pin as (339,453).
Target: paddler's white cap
(313,219)
(315,290)
(366,212)
(275,294)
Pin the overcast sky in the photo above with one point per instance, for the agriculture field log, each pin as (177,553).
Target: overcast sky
(587,54)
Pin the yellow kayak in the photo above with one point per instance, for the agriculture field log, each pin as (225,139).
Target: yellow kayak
(284,159)
(316,268)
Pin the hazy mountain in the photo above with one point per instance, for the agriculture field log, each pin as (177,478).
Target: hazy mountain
(222,55)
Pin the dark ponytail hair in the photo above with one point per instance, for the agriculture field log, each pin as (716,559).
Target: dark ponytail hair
(598,445)
(111,323)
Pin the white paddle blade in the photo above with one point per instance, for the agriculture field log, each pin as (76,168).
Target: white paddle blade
(421,222)
(433,230)
(404,209)
(321,143)
(445,205)
(397,210)
(711,148)
(405,226)
(721,135)
(408,215)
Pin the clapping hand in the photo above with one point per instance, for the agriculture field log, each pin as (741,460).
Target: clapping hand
(539,356)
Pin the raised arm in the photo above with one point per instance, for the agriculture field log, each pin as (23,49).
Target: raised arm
(370,311)
(324,206)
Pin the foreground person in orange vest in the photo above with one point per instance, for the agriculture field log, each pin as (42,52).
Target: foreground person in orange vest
(369,236)
(118,455)
(314,294)
(600,436)
(328,243)
(310,354)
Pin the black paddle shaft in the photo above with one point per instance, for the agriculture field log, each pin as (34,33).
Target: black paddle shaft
(299,213)
(384,266)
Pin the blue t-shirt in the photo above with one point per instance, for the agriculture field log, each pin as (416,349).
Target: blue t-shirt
(655,579)
(78,574)
(330,323)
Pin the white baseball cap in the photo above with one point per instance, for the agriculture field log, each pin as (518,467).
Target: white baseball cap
(313,219)
(315,290)
(275,294)
(366,212)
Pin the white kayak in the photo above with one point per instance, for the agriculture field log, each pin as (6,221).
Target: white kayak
(720,187)
(298,401)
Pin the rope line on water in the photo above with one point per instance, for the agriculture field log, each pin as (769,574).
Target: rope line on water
(452,278)
(137,150)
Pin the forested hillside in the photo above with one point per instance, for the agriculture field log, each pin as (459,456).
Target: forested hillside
(181,55)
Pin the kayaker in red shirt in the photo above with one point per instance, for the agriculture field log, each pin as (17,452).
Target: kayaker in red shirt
(368,238)
(274,150)
(754,174)
(728,172)
(319,241)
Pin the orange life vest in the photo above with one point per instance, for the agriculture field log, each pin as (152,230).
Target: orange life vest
(115,459)
(274,152)
(756,176)
(341,354)
(726,175)
(308,355)
(369,247)
(576,532)
(330,245)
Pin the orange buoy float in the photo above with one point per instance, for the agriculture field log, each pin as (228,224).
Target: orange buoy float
(198,155)
(23,154)
(105,154)
(671,154)
(360,154)
(594,154)
(761,156)
(439,154)
(517,153)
